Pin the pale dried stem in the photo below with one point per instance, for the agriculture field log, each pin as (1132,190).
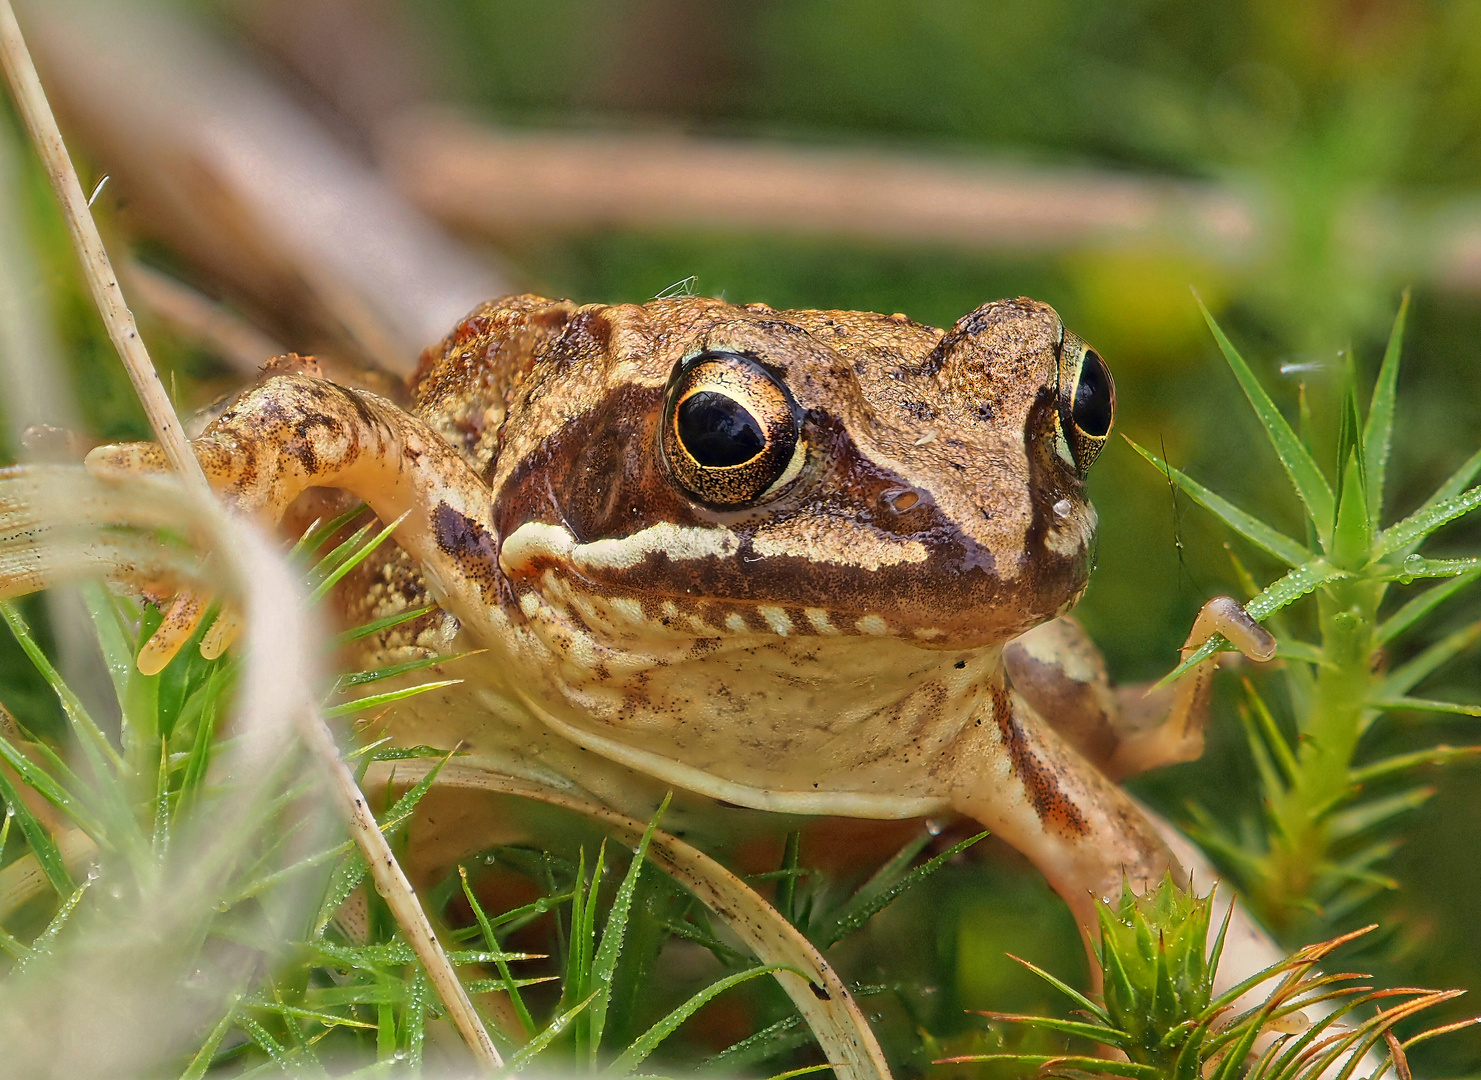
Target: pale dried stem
(103,282)
(30,99)
(392,884)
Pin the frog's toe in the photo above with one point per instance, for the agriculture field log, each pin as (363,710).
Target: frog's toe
(1227,616)
(221,633)
(123,460)
(180,621)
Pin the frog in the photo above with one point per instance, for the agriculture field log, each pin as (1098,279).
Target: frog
(799,562)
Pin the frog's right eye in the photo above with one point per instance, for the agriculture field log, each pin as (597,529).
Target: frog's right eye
(1087,402)
(731,431)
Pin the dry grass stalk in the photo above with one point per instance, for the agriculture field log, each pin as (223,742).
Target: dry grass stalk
(31,100)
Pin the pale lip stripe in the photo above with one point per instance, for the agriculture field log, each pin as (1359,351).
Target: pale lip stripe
(535,540)
(863,547)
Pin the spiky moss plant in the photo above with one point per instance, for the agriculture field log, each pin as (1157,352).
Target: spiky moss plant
(351,990)
(1159,1008)
(1317,857)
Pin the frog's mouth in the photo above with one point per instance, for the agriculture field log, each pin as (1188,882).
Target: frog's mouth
(712,580)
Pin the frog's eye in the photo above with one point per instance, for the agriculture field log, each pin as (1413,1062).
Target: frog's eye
(1087,401)
(730,431)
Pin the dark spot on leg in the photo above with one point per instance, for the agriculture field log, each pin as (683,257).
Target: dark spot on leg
(1054,808)
(469,544)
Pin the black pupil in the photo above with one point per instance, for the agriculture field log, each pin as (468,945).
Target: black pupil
(1092,409)
(718,431)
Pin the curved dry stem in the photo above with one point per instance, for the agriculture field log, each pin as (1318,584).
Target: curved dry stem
(822,998)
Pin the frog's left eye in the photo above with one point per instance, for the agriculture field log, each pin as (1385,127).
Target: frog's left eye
(1087,401)
(731,431)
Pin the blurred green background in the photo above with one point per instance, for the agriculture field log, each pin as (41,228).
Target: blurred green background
(1314,112)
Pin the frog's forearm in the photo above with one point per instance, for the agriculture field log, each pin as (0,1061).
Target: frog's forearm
(1018,778)
(294,432)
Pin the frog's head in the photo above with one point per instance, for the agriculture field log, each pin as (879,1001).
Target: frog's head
(739,470)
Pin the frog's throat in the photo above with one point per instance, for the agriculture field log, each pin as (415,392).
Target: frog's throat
(669,771)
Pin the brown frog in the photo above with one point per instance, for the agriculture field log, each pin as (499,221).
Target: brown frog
(803,561)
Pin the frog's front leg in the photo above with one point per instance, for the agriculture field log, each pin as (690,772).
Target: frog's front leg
(1126,730)
(1013,773)
(293,432)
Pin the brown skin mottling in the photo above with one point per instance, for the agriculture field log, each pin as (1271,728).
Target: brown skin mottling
(829,641)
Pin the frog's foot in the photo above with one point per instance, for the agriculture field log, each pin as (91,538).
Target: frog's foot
(1125,730)
(185,609)
(1179,737)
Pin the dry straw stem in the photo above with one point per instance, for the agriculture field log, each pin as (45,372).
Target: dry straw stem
(815,988)
(31,99)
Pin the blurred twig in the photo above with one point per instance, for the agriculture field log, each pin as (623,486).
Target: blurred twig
(30,99)
(502,182)
(224,167)
(199,318)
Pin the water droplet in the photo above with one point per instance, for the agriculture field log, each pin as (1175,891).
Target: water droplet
(1062,508)
(933,826)
(1414,563)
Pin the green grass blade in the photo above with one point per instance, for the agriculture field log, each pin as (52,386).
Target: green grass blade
(1095,1010)
(113,637)
(1409,675)
(506,978)
(1352,537)
(1379,430)
(650,1040)
(786,1034)
(48,937)
(363,678)
(359,705)
(604,965)
(1416,566)
(1413,529)
(92,739)
(792,1074)
(786,890)
(530,1049)
(1457,708)
(1416,609)
(1089,1065)
(1311,486)
(378,625)
(1093,1032)
(1348,823)
(878,893)
(364,552)
(1392,766)
(331,561)
(1287,550)
(202,1060)
(319,532)
(48,855)
(45,785)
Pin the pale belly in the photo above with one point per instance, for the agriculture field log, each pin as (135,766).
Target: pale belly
(794,727)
